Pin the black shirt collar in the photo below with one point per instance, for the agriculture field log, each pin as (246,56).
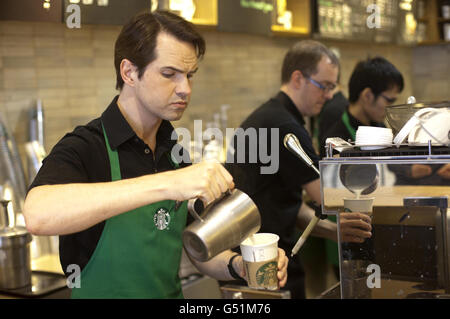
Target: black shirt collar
(286,101)
(119,131)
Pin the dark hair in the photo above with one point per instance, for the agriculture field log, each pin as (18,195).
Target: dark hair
(137,40)
(305,56)
(376,73)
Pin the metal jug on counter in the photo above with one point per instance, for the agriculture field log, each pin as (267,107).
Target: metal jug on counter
(222,225)
(360,179)
(15,261)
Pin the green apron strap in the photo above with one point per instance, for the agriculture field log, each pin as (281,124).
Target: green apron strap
(114,159)
(171,160)
(350,129)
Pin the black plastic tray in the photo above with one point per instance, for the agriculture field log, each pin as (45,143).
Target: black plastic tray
(42,284)
(394,151)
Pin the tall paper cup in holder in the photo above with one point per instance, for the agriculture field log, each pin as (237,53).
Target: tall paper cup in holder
(260,255)
(222,225)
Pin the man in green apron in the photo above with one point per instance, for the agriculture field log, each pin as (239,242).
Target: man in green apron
(111,188)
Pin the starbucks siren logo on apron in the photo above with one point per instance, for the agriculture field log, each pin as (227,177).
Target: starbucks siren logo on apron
(161,219)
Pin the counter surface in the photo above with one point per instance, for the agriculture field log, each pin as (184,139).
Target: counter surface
(389,196)
(392,289)
(48,263)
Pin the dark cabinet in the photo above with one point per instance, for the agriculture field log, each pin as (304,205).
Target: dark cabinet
(31,10)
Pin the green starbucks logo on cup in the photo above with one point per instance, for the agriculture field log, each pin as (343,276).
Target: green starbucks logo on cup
(267,274)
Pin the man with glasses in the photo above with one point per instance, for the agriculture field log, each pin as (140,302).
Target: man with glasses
(309,75)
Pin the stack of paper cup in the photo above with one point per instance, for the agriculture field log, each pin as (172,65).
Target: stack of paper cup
(375,137)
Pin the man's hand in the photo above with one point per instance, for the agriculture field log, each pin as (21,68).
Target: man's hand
(206,180)
(444,171)
(282,267)
(420,170)
(355,227)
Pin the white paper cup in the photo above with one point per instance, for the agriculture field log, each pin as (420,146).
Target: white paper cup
(375,137)
(260,255)
(361,205)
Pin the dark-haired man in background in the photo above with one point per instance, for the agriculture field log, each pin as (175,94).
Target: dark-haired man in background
(374,84)
(110,188)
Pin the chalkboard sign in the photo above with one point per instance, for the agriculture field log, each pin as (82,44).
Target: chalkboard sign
(114,12)
(30,10)
(357,20)
(249,16)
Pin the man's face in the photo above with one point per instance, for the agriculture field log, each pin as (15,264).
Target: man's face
(376,110)
(311,97)
(164,89)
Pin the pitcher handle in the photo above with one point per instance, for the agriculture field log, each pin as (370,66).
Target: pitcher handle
(192,203)
(4,203)
(195,206)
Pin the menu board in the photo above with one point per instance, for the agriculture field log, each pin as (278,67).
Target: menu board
(363,20)
(249,16)
(30,10)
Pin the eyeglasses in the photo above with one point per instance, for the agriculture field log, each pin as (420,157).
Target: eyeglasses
(390,100)
(325,89)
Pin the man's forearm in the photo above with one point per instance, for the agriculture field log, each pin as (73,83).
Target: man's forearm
(324,228)
(69,208)
(217,267)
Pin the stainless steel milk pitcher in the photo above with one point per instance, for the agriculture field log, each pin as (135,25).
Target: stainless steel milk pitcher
(222,225)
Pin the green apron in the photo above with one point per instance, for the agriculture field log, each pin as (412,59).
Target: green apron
(139,252)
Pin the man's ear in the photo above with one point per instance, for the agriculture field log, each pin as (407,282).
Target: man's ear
(367,96)
(128,72)
(297,78)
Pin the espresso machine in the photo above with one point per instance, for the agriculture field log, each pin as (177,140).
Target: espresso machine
(408,253)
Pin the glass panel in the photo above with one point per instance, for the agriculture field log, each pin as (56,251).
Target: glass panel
(407,255)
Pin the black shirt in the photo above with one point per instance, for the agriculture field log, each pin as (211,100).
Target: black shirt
(331,112)
(278,195)
(81,157)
